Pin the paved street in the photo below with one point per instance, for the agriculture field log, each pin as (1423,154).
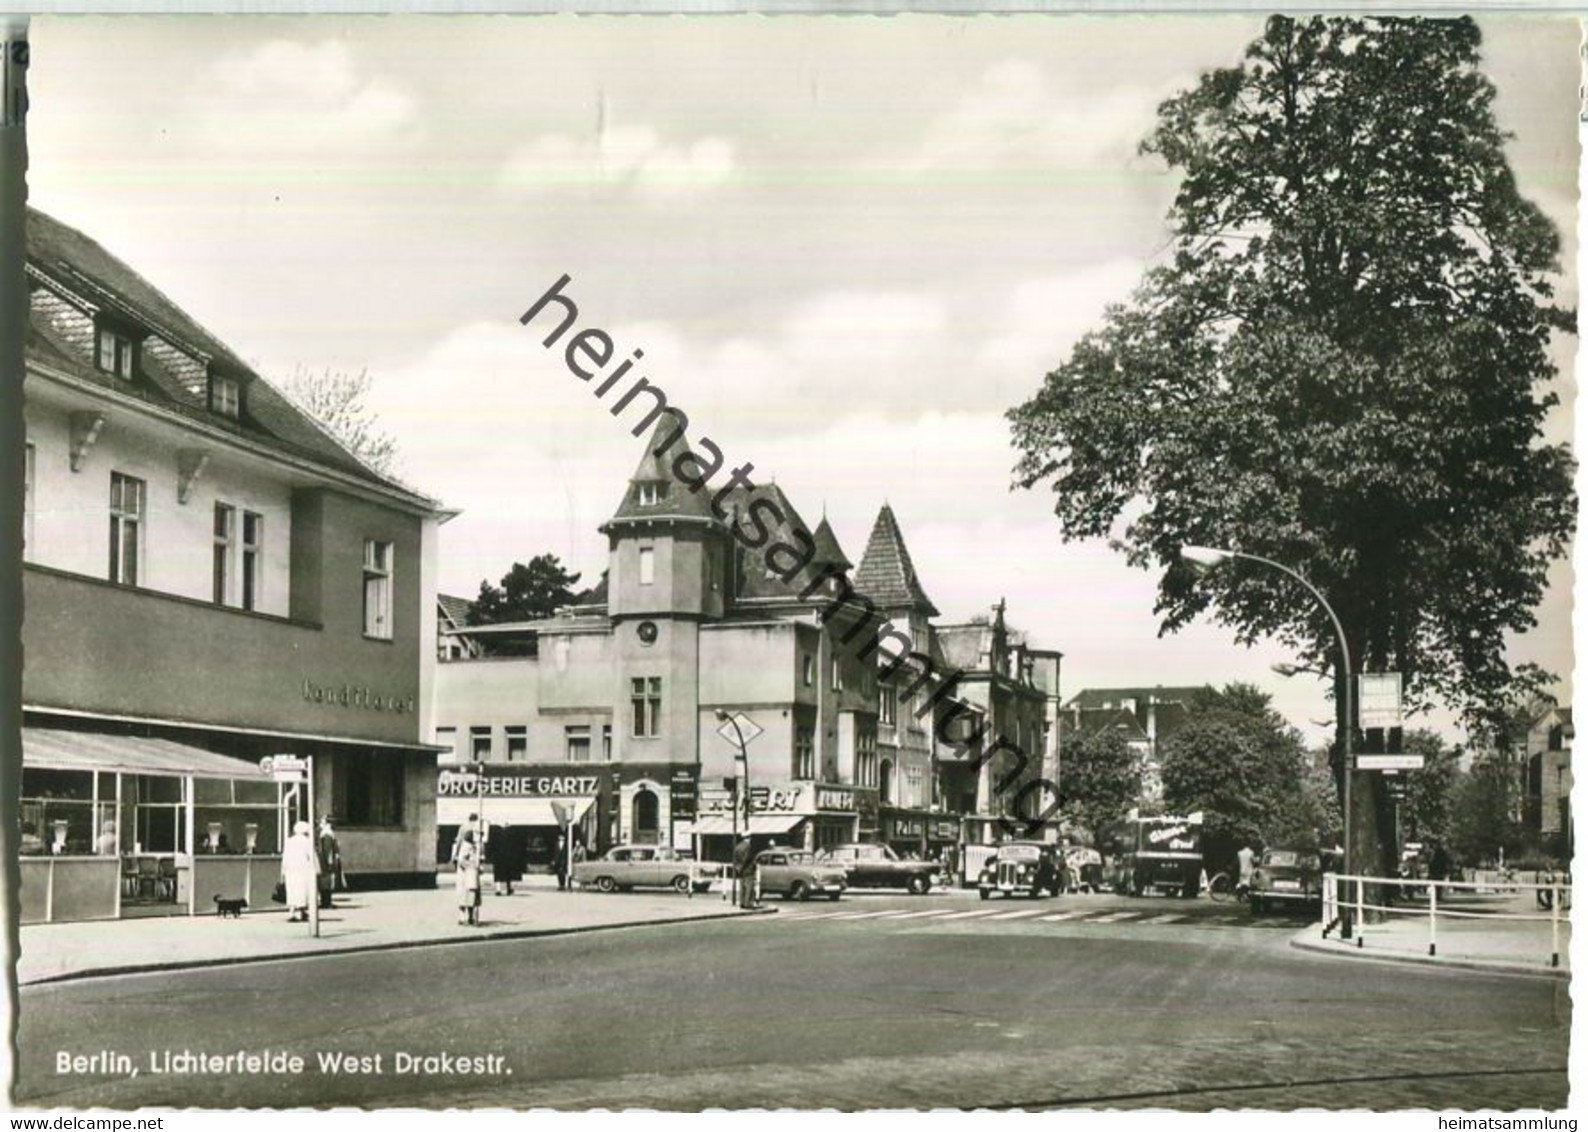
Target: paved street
(907,1002)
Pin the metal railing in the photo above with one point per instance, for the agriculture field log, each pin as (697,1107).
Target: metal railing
(1432,899)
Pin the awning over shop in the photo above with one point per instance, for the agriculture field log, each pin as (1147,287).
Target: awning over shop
(510,811)
(716,825)
(129,754)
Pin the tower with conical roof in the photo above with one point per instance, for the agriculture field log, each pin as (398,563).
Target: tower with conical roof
(668,560)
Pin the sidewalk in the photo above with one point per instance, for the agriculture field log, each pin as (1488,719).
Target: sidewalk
(1482,942)
(361,921)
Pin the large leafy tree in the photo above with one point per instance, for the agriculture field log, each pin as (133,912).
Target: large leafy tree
(1246,770)
(528,591)
(1425,812)
(1099,780)
(1342,365)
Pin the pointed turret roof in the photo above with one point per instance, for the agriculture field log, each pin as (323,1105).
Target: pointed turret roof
(828,552)
(886,574)
(673,498)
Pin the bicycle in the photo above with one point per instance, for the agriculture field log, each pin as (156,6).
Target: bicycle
(1223,886)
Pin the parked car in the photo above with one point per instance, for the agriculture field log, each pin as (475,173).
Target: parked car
(878,866)
(1286,876)
(797,874)
(643,866)
(1022,868)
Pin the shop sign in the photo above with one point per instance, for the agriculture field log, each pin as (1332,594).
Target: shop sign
(685,792)
(453,784)
(355,696)
(835,798)
(946,830)
(779,799)
(906,828)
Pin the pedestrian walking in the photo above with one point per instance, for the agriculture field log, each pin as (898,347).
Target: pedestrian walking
(330,853)
(467,879)
(505,852)
(300,866)
(1246,861)
(457,840)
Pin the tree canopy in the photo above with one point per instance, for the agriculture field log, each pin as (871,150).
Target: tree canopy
(1343,364)
(1245,768)
(528,591)
(336,400)
(1100,779)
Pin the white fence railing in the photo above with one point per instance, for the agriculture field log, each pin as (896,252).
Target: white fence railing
(1348,898)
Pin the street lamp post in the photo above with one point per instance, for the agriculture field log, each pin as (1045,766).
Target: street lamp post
(1206,558)
(744,790)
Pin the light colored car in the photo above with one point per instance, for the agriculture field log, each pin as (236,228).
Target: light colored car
(643,866)
(796,874)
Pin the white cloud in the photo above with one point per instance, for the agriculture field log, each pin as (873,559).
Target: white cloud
(619,157)
(1043,318)
(1019,117)
(287,96)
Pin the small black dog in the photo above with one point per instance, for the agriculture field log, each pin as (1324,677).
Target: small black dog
(233,908)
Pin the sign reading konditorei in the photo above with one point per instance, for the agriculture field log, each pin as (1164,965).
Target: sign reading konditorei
(356,696)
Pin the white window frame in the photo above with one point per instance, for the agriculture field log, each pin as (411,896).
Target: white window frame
(251,575)
(645,706)
(476,735)
(224,534)
(804,753)
(226,396)
(810,670)
(517,742)
(647,565)
(121,517)
(576,737)
(838,675)
(113,352)
(379,567)
(648,495)
(888,705)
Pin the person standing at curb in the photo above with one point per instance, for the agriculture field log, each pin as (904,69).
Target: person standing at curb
(300,866)
(330,863)
(467,880)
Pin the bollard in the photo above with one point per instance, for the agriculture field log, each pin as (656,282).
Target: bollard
(1433,913)
(1359,920)
(1554,927)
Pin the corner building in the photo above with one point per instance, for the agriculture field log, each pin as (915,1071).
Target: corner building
(208,580)
(720,599)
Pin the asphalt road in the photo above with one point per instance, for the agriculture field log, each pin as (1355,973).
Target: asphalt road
(875,1002)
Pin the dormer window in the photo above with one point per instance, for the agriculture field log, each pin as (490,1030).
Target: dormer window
(650,493)
(226,396)
(114,353)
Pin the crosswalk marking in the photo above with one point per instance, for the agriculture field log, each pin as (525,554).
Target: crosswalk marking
(1063,916)
(1021,914)
(971,913)
(1171,919)
(1114,917)
(928,912)
(858,915)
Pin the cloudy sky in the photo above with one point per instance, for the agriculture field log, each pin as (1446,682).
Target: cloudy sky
(846,246)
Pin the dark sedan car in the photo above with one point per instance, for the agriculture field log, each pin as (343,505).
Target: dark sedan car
(1021,868)
(877,866)
(1286,876)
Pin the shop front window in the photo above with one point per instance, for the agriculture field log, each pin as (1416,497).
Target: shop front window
(58,812)
(368,789)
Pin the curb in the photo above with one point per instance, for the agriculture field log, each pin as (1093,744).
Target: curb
(1307,941)
(367,948)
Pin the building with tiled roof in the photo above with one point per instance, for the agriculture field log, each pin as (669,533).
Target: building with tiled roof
(210,578)
(1145,715)
(720,598)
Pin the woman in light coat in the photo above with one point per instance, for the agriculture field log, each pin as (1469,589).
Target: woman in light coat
(300,866)
(467,878)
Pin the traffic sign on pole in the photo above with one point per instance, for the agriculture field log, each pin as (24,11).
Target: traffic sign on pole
(1389,762)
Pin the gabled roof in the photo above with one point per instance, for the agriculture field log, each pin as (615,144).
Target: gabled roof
(454,609)
(675,500)
(753,581)
(886,574)
(72,264)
